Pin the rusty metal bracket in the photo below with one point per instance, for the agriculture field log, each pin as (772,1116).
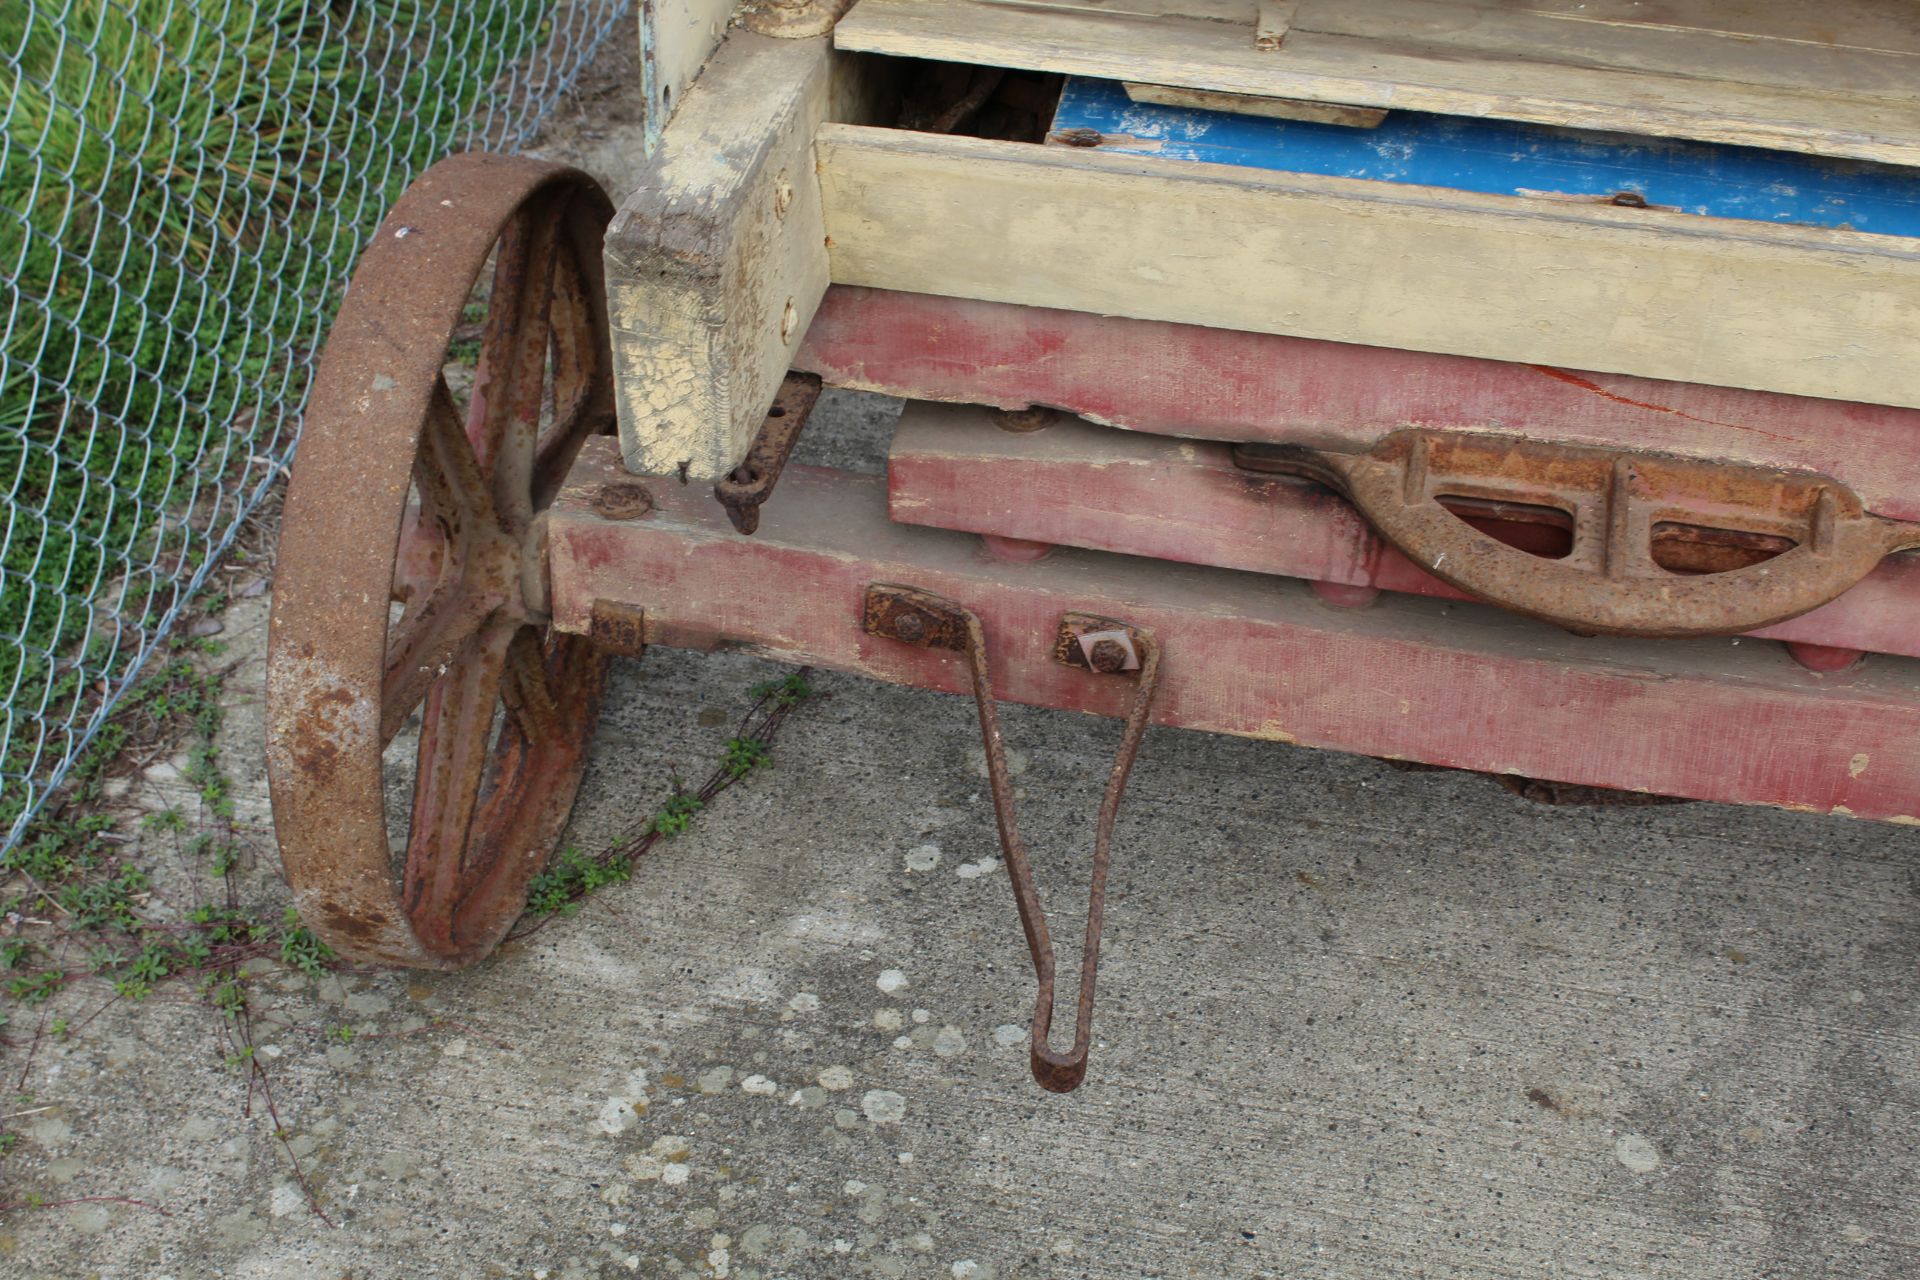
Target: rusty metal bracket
(751,483)
(1651,545)
(1100,645)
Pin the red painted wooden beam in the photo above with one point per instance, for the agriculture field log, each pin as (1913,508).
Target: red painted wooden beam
(1452,684)
(1184,500)
(1220,384)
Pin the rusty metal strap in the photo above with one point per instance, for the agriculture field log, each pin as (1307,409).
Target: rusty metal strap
(748,486)
(1101,646)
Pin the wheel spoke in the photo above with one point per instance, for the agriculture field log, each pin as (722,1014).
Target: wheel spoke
(456,740)
(582,389)
(433,638)
(448,530)
(510,382)
(527,690)
(422,557)
(445,471)
(575,362)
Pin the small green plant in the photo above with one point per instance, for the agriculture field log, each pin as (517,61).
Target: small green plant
(571,876)
(58,1028)
(13,952)
(558,889)
(34,988)
(226,995)
(150,965)
(301,948)
(785,693)
(107,902)
(227,926)
(677,813)
(195,952)
(744,755)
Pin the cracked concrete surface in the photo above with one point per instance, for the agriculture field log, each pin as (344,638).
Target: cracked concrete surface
(1354,1022)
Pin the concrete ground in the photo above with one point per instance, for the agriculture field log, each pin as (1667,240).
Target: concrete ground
(1355,1022)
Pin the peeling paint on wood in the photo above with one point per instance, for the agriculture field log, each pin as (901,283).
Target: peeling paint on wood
(1218,384)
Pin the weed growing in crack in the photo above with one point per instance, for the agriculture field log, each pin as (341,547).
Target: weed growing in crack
(574,875)
(677,813)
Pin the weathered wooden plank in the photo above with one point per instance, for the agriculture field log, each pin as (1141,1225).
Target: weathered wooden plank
(676,39)
(1235,11)
(1888,25)
(1884,25)
(716,262)
(1078,485)
(1806,311)
(1217,384)
(1246,105)
(1817,112)
(1498,34)
(1248,655)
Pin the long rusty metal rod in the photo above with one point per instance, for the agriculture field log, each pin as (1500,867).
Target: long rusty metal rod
(1060,1072)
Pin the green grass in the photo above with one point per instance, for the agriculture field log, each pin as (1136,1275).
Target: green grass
(183,187)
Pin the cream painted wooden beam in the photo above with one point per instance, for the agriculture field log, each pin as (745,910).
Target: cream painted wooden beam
(1806,311)
(676,39)
(716,263)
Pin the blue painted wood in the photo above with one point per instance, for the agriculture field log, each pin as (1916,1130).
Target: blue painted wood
(1505,158)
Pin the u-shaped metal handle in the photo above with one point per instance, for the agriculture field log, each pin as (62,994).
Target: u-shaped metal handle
(930,621)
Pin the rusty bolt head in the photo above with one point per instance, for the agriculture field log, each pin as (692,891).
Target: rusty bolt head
(1075,137)
(1034,417)
(1108,656)
(622,500)
(909,626)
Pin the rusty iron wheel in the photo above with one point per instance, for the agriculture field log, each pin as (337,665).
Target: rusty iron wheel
(400,502)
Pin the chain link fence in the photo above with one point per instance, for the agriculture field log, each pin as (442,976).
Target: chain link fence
(184,186)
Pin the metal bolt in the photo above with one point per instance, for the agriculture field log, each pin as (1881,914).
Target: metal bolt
(909,626)
(1034,417)
(622,500)
(1108,657)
